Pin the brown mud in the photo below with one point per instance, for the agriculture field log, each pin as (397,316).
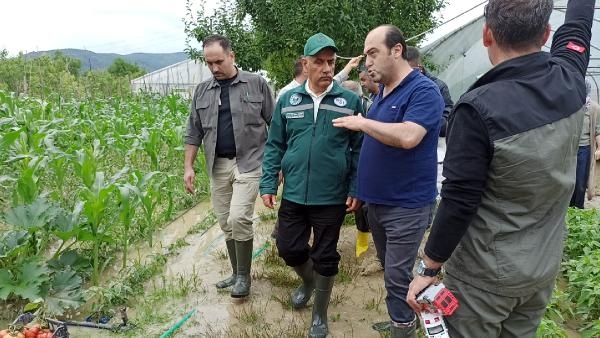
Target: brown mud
(357,302)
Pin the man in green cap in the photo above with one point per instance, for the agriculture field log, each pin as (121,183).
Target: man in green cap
(319,164)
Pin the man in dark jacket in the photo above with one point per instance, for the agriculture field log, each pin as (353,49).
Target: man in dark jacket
(319,164)
(414,59)
(510,172)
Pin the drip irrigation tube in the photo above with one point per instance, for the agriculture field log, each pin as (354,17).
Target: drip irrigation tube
(177,325)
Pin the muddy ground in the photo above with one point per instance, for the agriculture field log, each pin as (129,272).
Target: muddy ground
(358,298)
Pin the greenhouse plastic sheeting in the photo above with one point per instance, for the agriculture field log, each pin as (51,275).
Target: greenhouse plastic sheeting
(181,78)
(461,56)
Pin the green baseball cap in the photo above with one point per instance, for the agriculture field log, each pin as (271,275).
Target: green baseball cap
(317,42)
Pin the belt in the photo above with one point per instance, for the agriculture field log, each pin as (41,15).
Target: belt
(227,156)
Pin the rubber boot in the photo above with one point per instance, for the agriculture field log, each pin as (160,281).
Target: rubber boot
(323,286)
(404,332)
(243,252)
(302,294)
(227,282)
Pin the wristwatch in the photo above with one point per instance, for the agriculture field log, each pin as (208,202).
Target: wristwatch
(423,270)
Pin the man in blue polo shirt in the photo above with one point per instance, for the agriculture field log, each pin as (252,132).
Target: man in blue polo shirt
(398,164)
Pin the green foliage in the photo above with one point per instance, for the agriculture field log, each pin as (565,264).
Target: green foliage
(549,328)
(122,68)
(24,272)
(582,262)
(78,186)
(64,292)
(59,77)
(228,20)
(23,281)
(273,32)
(592,330)
(579,299)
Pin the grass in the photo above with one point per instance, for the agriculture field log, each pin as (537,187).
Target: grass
(163,302)
(179,243)
(271,258)
(374,304)
(133,281)
(280,277)
(283,297)
(206,223)
(339,295)
(220,254)
(268,215)
(249,315)
(348,271)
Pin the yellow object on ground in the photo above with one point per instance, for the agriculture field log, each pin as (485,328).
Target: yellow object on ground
(362,242)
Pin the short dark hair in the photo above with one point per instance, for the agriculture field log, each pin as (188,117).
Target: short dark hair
(223,41)
(394,36)
(518,24)
(413,54)
(298,68)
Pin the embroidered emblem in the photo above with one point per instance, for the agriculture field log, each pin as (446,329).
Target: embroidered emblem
(294,115)
(573,46)
(340,101)
(295,99)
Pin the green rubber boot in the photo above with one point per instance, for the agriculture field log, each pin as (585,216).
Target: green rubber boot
(409,331)
(227,282)
(302,294)
(243,252)
(323,286)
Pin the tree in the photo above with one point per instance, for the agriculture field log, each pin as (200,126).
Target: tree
(42,76)
(12,73)
(270,34)
(230,21)
(122,68)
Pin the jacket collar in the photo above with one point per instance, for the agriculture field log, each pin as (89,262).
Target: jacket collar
(514,68)
(241,76)
(335,90)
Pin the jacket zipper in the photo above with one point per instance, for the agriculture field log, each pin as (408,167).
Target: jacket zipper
(308,164)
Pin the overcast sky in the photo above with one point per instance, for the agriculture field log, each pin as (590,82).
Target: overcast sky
(125,26)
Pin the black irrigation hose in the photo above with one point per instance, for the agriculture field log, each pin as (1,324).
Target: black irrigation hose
(87,324)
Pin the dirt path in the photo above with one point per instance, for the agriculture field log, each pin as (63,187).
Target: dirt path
(357,300)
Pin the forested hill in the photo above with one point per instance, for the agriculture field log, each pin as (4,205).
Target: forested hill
(90,60)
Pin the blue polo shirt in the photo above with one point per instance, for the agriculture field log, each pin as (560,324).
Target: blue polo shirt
(403,177)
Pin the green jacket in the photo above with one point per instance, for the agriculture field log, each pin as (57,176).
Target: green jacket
(318,160)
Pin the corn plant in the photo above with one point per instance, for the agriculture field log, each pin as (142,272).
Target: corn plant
(148,192)
(73,155)
(96,195)
(150,142)
(127,204)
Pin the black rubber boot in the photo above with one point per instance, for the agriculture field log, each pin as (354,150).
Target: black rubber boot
(409,331)
(303,293)
(323,286)
(243,252)
(227,282)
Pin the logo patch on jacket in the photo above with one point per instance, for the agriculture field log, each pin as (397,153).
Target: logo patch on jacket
(294,115)
(340,101)
(295,99)
(573,46)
